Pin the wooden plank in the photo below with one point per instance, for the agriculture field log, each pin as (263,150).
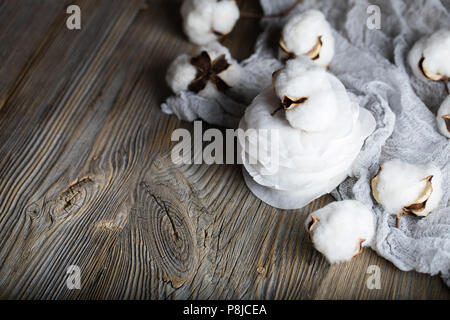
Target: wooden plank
(38,123)
(21,34)
(86,177)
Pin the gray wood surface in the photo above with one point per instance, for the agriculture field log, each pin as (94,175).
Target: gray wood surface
(86,176)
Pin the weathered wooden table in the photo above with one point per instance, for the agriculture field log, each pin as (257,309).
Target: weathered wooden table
(86,177)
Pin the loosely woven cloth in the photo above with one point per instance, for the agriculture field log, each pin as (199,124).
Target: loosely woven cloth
(372,65)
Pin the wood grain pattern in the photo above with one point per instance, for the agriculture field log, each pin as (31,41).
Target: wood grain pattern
(86,176)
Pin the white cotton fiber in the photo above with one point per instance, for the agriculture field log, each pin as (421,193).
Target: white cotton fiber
(435,52)
(299,80)
(400,184)
(205,20)
(301,32)
(340,229)
(443,111)
(181,72)
(226,13)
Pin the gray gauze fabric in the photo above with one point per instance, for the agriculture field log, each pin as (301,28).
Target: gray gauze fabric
(372,66)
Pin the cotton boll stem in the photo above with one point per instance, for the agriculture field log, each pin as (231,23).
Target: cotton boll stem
(360,242)
(276,110)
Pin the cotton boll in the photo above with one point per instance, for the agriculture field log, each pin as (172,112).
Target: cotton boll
(429,56)
(437,54)
(308,34)
(197,23)
(309,84)
(402,187)
(443,118)
(183,72)
(340,229)
(205,20)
